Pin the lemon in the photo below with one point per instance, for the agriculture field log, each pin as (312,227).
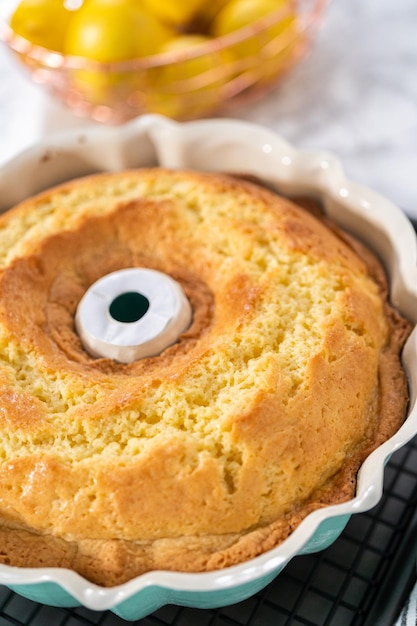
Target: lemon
(239,13)
(192,66)
(177,12)
(42,22)
(269,50)
(190,85)
(111,31)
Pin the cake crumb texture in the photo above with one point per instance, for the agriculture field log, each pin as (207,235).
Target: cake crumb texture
(213,451)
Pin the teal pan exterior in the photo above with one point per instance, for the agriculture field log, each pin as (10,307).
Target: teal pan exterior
(152,597)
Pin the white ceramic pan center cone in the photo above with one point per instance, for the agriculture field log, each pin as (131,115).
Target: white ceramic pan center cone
(132,314)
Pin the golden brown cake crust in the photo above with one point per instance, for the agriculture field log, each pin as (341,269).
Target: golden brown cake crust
(213,451)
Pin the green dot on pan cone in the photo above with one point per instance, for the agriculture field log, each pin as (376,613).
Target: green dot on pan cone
(128,307)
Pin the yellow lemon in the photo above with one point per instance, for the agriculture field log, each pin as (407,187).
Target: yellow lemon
(190,85)
(267,51)
(239,13)
(110,31)
(177,12)
(42,22)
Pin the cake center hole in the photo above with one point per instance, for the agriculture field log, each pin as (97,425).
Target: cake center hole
(130,306)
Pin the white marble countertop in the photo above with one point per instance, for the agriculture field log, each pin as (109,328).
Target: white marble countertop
(355,95)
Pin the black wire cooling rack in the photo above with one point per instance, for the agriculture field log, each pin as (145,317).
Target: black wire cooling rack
(362,579)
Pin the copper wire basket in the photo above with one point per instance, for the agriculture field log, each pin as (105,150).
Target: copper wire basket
(201,81)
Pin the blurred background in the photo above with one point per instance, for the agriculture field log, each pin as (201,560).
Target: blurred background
(354,93)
